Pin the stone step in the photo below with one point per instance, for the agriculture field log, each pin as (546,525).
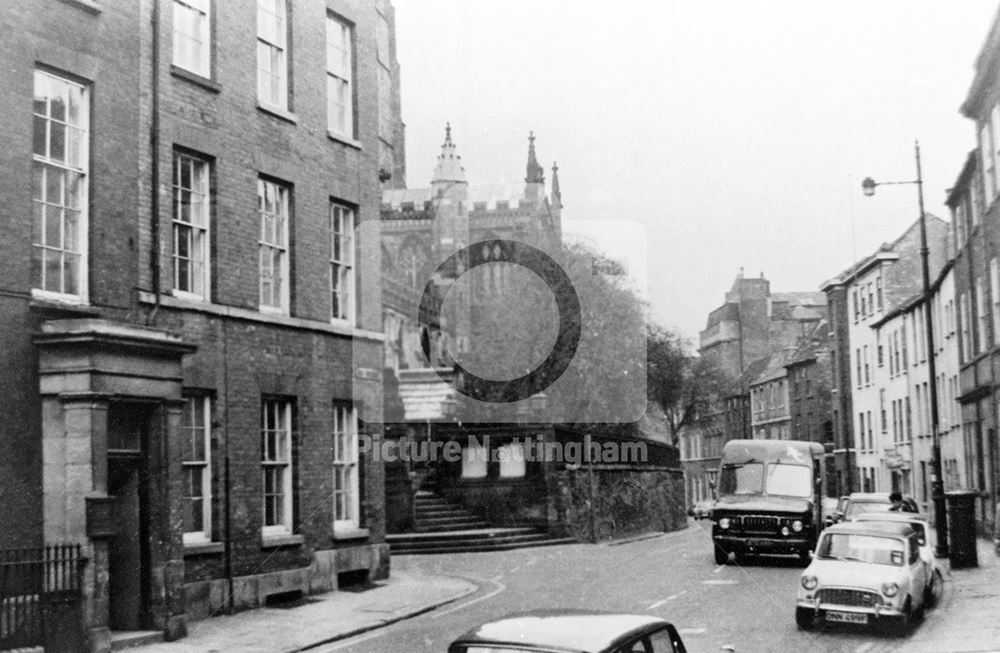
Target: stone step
(480,548)
(446,519)
(444,528)
(445,512)
(461,534)
(124,639)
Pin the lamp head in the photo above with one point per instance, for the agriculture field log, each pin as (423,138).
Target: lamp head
(868,186)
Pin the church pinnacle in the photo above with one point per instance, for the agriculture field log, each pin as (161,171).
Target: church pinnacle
(535,173)
(449,168)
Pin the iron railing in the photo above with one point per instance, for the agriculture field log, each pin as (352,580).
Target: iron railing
(29,580)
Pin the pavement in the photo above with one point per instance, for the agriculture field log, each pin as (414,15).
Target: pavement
(968,617)
(319,618)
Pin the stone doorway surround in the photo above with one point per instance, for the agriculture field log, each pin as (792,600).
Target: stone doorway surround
(85,366)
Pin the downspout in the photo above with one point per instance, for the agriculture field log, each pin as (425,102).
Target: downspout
(154,143)
(227,479)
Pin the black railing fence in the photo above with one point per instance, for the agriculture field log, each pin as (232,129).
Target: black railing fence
(33,583)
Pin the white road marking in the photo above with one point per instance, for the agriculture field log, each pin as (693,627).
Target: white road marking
(721,581)
(719,568)
(864,647)
(674,596)
(495,580)
(653,606)
(692,631)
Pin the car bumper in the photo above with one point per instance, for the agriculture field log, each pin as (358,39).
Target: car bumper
(790,545)
(877,611)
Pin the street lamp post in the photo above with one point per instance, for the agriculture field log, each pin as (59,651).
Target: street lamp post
(937,482)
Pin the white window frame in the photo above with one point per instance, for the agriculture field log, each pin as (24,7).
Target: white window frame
(192,41)
(986,157)
(193,226)
(339,77)
(512,460)
(995,298)
(982,317)
(196,432)
(273,268)
(341,263)
(276,456)
(272,53)
(964,316)
(345,472)
(474,459)
(72,164)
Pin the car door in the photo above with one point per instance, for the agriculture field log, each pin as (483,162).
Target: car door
(918,570)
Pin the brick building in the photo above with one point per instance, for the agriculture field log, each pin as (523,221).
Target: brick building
(770,414)
(976,218)
(193,343)
(809,380)
(740,338)
(860,299)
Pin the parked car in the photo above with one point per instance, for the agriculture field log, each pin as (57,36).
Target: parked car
(865,572)
(836,515)
(702,509)
(919,523)
(862,502)
(571,631)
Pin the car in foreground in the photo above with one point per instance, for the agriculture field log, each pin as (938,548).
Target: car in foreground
(865,573)
(702,509)
(571,631)
(919,523)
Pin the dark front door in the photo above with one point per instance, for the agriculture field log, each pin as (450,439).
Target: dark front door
(128,552)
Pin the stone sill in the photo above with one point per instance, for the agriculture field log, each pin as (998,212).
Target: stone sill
(86,5)
(278,112)
(254,316)
(203,548)
(350,142)
(341,534)
(195,78)
(276,541)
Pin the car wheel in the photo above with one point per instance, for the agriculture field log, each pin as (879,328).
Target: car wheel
(721,555)
(904,624)
(805,618)
(934,589)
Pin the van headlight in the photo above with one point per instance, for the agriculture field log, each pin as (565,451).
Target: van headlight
(797,525)
(809,582)
(890,589)
(724,523)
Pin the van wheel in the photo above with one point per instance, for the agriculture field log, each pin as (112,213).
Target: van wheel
(721,555)
(805,618)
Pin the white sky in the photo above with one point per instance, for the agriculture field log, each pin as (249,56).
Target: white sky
(737,133)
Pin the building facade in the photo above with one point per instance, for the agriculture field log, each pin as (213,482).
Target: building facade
(878,340)
(976,217)
(740,338)
(770,412)
(193,342)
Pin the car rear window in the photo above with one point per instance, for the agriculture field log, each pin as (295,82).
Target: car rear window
(855,508)
(862,548)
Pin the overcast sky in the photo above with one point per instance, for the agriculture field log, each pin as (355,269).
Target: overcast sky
(736,133)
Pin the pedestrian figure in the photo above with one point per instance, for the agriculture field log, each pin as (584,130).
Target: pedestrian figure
(899,504)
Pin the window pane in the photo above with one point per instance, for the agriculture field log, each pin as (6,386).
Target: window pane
(57,142)
(53,228)
(38,136)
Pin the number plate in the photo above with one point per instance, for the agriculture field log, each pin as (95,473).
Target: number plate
(846,617)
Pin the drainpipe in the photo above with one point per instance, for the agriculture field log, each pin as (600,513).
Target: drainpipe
(154,143)
(227,479)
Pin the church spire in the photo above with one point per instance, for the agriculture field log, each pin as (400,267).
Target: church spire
(556,193)
(449,168)
(535,174)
